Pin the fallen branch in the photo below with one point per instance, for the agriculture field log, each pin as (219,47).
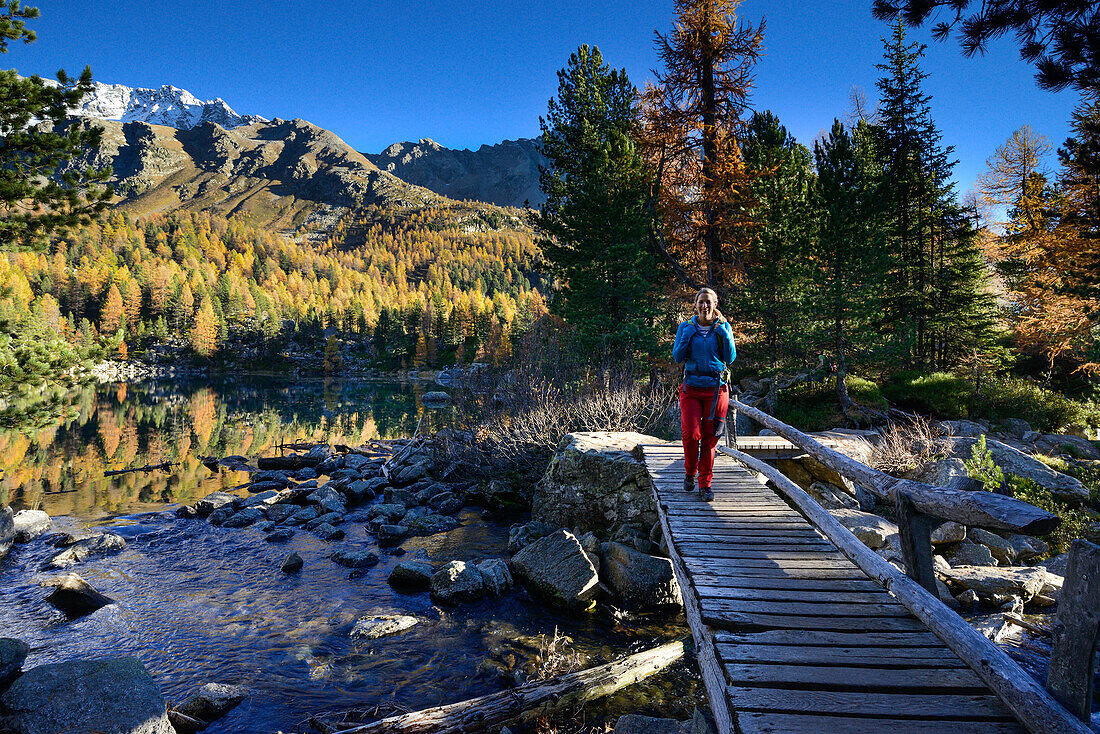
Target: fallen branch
(531,699)
(1021,622)
(149,467)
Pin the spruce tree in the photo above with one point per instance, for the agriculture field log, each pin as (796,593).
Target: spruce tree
(597,215)
(774,297)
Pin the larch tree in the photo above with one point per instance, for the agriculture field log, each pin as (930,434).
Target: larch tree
(694,118)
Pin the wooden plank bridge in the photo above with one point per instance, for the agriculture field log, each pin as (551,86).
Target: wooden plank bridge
(791,635)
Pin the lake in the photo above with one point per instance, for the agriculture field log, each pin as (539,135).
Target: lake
(198,603)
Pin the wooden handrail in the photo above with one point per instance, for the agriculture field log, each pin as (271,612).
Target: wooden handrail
(978,509)
(1030,702)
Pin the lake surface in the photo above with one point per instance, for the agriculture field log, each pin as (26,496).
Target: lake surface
(198,603)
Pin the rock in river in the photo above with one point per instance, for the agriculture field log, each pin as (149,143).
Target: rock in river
(82,550)
(213,501)
(411,575)
(642,581)
(292,564)
(381,625)
(29,524)
(75,596)
(12,654)
(457,581)
(111,696)
(556,569)
(7,531)
(210,702)
(355,558)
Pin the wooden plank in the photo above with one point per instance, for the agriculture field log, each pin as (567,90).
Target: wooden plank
(703,581)
(792,564)
(763,553)
(799,608)
(779,526)
(728,619)
(855,678)
(758,722)
(945,706)
(886,657)
(793,595)
(733,542)
(819,637)
(741,570)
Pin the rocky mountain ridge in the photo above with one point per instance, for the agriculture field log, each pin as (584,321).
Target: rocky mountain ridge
(505,174)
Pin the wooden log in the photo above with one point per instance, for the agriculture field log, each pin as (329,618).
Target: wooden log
(149,467)
(915,533)
(980,509)
(289,463)
(1030,702)
(1076,629)
(530,699)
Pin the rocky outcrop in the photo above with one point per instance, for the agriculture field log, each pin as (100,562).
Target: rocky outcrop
(641,581)
(457,581)
(557,570)
(111,696)
(594,482)
(30,524)
(1012,461)
(83,549)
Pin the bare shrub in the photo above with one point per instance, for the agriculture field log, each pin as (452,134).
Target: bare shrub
(906,446)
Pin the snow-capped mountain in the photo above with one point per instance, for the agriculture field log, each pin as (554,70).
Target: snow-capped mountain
(168,106)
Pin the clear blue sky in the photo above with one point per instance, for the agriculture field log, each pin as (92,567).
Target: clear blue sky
(465,73)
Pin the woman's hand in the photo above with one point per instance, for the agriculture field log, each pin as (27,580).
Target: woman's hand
(718,315)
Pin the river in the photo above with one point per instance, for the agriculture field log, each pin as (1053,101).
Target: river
(198,603)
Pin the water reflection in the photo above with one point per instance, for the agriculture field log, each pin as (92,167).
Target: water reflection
(60,468)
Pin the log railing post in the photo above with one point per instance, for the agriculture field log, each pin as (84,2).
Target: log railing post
(915,533)
(1076,630)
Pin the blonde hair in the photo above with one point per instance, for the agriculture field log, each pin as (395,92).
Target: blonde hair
(709,291)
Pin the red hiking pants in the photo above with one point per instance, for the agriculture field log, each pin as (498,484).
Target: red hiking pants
(698,428)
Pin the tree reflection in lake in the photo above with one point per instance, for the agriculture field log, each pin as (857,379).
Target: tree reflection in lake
(116,426)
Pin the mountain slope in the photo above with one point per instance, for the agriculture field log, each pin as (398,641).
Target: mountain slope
(505,174)
(287,174)
(169,106)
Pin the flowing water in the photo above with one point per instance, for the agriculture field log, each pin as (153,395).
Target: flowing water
(198,603)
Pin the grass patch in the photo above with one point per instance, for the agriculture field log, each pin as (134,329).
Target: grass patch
(812,406)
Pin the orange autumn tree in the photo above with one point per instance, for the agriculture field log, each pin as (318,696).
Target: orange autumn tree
(692,120)
(1048,250)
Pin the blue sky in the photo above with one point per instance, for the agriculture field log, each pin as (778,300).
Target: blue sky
(466,73)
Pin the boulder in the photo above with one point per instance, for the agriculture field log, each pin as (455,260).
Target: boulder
(594,482)
(1001,549)
(213,501)
(220,515)
(972,554)
(403,497)
(281,535)
(557,570)
(280,513)
(872,530)
(445,503)
(390,511)
(436,398)
(1027,548)
(1064,488)
(940,473)
(325,531)
(29,524)
(457,581)
(381,625)
(497,494)
(7,530)
(989,582)
(424,522)
(522,535)
(292,564)
(270,497)
(331,518)
(210,702)
(411,575)
(641,581)
(1075,446)
(82,550)
(495,575)
(968,429)
(949,532)
(832,497)
(74,596)
(793,470)
(1016,426)
(12,654)
(407,475)
(1056,564)
(391,535)
(110,696)
(355,558)
(244,518)
(303,515)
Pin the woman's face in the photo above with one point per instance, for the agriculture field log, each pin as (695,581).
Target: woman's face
(706,307)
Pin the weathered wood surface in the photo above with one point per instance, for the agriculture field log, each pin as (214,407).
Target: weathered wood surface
(799,637)
(530,700)
(1076,630)
(980,509)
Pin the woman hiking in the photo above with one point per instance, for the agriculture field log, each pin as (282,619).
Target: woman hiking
(704,345)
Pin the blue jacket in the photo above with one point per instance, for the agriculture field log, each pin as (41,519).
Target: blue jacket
(700,353)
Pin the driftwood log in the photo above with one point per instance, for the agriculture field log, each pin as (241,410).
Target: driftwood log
(1028,700)
(977,509)
(531,699)
(149,467)
(290,463)
(1076,630)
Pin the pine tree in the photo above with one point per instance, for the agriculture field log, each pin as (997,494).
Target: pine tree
(597,212)
(40,191)
(693,123)
(777,280)
(204,333)
(850,251)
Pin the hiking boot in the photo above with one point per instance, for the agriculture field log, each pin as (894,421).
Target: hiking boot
(706,494)
(689,482)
